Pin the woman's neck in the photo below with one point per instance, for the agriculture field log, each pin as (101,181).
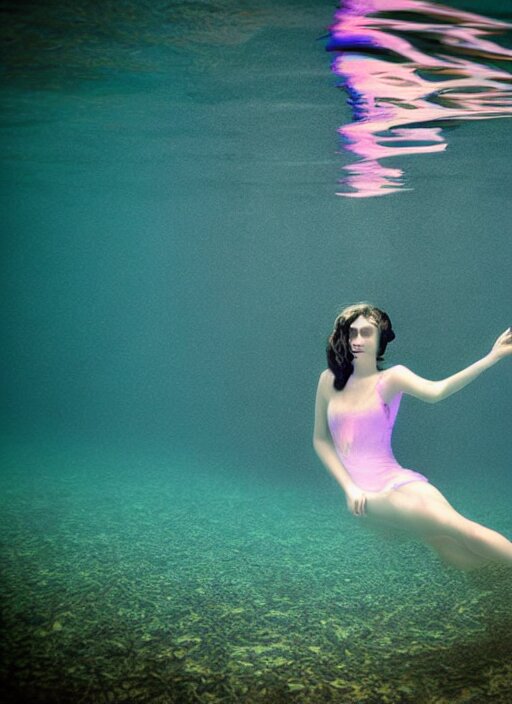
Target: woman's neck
(364,369)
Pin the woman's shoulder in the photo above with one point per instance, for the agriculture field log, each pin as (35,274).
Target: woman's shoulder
(326,383)
(389,382)
(327,374)
(399,379)
(395,370)
(326,378)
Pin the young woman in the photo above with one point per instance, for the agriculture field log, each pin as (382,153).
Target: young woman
(355,410)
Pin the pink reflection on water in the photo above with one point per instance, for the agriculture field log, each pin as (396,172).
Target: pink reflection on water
(393,104)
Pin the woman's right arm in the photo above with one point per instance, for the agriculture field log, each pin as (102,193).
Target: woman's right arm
(324,448)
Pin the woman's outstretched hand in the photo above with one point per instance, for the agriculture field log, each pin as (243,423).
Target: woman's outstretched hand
(503,345)
(356,500)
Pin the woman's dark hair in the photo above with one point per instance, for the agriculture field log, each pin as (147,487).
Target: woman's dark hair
(339,356)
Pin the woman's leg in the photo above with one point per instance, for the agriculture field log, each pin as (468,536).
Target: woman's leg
(421,508)
(454,553)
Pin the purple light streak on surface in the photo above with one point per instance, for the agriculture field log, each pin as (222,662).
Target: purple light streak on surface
(388,97)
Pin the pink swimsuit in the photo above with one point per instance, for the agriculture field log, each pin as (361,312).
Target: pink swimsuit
(363,443)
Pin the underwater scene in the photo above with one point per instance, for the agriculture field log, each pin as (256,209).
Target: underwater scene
(191,191)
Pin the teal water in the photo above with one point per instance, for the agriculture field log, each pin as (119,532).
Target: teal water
(174,257)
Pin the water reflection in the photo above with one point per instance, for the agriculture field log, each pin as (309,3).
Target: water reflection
(399,84)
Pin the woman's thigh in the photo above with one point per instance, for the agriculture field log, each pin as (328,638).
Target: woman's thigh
(423,489)
(416,506)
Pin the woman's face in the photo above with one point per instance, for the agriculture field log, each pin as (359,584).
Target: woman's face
(363,337)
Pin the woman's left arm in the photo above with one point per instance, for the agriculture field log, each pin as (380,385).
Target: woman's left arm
(402,379)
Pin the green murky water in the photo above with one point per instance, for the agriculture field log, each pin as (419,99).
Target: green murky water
(174,256)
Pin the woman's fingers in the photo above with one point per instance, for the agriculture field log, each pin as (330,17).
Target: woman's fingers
(503,345)
(505,338)
(356,503)
(360,506)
